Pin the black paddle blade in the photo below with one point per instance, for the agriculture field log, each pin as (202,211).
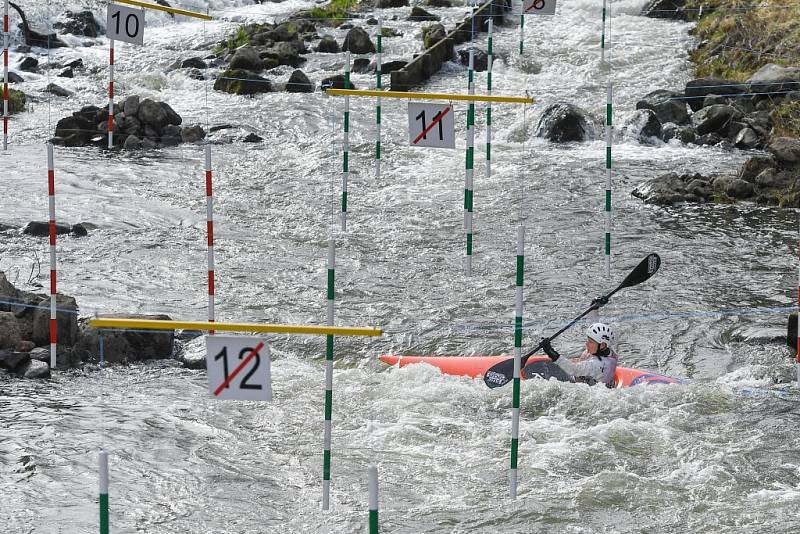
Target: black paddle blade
(546,371)
(499,374)
(646,268)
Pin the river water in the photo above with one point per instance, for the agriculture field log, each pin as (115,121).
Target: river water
(717,455)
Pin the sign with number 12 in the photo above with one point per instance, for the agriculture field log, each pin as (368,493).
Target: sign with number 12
(538,7)
(238,368)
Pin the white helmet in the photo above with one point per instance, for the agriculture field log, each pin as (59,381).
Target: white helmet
(602,333)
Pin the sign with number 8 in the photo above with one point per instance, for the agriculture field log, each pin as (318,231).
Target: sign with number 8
(238,368)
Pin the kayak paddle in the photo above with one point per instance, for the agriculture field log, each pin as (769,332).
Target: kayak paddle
(501,373)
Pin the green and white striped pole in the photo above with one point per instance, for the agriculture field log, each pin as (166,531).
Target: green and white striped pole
(346,144)
(326,455)
(521,26)
(469,177)
(609,139)
(490,60)
(512,475)
(603,37)
(378,86)
(103,460)
(372,476)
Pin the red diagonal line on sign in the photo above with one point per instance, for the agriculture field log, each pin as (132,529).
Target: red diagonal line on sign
(533,6)
(239,368)
(434,123)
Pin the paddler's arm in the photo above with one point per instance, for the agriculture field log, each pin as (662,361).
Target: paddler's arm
(549,350)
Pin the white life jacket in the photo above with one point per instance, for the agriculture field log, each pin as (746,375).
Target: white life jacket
(590,368)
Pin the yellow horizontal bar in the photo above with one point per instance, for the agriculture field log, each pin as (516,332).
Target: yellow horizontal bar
(157,7)
(430,96)
(151,324)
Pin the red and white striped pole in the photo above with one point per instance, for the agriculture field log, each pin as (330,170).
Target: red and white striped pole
(111,94)
(5,75)
(51,192)
(210,232)
(797,357)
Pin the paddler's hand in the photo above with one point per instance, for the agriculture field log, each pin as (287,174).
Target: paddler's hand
(599,302)
(548,349)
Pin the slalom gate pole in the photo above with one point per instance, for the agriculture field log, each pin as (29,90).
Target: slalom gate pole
(51,195)
(470,153)
(609,140)
(378,86)
(346,144)
(326,455)
(210,235)
(5,75)
(111,94)
(372,475)
(102,457)
(603,36)
(520,275)
(490,60)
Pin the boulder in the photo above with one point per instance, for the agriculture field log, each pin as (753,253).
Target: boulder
(35,369)
(299,83)
(746,139)
(131,106)
(29,64)
(247,58)
(755,166)
(432,34)
(739,189)
(126,346)
(709,139)
(171,135)
(13,360)
(66,73)
(78,23)
(13,77)
(390,66)
(132,143)
(786,150)
(194,63)
(242,82)
(669,106)
(711,100)
(715,119)
(684,134)
(26,346)
(480,60)
(772,78)
(282,54)
(696,90)
(152,114)
(665,9)
(42,229)
(328,45)
(79,230)
(439,3)
(172,117)
(66,321)
(357,41)
(57,90)
(664,190)
(193,134)
(361,65)
(417,13)
(335,82)
(74,64)
(252,138)
(644,126)
(10,334)
(562,122)
(392,3)
(760,122)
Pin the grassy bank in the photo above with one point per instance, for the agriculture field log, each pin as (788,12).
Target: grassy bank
(738,37)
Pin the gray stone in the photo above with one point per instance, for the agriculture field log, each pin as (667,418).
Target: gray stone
(392,3)
(252,138)
(194,360)
(665,9)
(57,90)
(29,64)
(664,190)
(42,229)
(131,125)
(172,116)
(78,23)
(335,82)
(760,122)
(739,189)
(13,77)
(126,346)
(247,58)
(132,143)
(709,139)
(41,354)
(131,106)
(66,321)
(192,134)
(390,66)
(171,135)
(644,125)
(35,369)
(357,41)
(66,73)
(669,106)
(299,83)
(480,59)
(10,335)
(746,139)
(419,14)
(148,144)
(25,346)
(79,230)
(786,150)
(283,54)
(328,45)
(433,34)
(242,82)
(715,119)
(562,122)
(696,90)
(712,100)
(774,78)
(766,178)
(152,114)
(194,63)
(699,188)
(13,360)
(361,65)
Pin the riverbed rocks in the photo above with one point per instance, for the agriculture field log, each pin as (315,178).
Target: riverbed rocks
(150,123)
(669,106)
(644,126)
(78,23)
(357,41)
(564,122)
(665,9)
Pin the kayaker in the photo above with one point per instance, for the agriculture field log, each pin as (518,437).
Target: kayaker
(597,363)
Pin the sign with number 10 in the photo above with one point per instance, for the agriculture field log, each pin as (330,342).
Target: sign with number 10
(538,7)
(238,368)
(125,24)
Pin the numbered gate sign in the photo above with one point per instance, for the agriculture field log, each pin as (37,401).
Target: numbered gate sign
(431,125)
(125,24)
(238,368)
(538,7)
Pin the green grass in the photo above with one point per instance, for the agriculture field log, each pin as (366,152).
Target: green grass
(334,12)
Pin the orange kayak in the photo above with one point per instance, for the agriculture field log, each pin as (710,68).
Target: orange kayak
(476,366)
